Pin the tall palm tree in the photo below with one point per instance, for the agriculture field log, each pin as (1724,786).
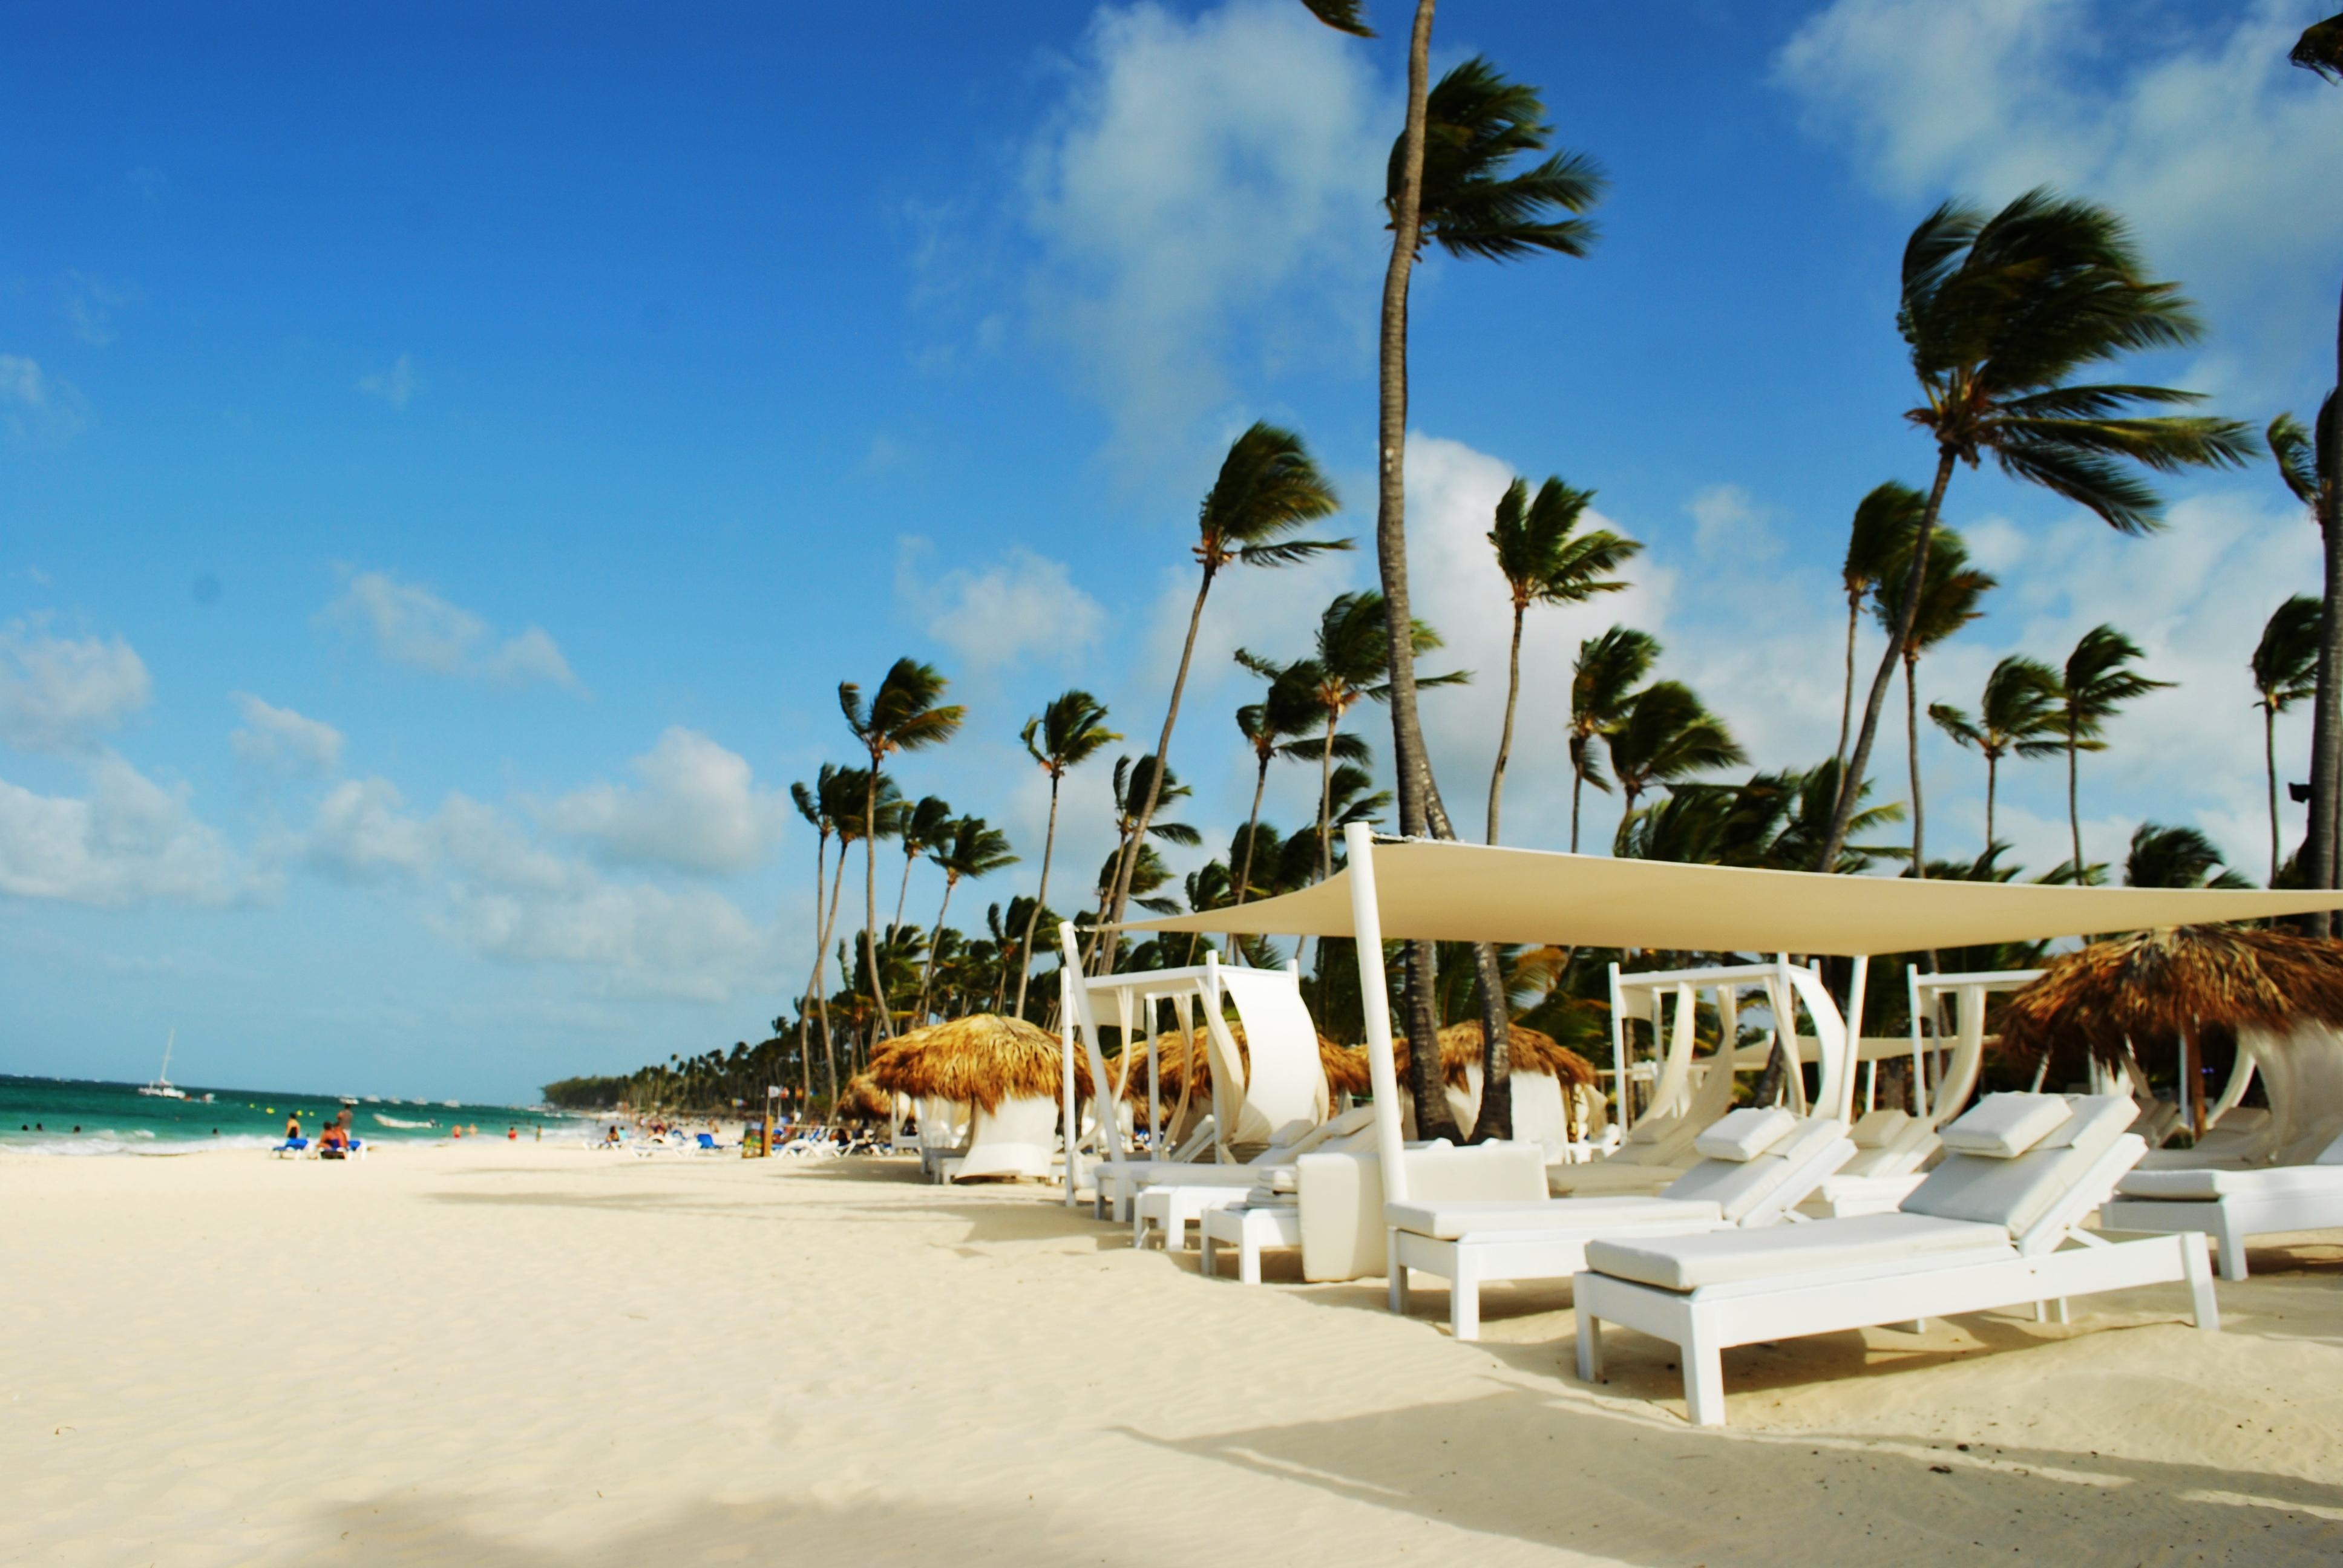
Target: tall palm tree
(2097,681)
(2001,314)
(2016,715)
(1877,541)
(924,827)
(1065,734)
(1666,735)
(2285,667)
(1545,559)
(1271,726)
(1603,679)
(1450,180)
(1948,600)
(2163,856)
(2307,463)
(813,803)
(904,715)
(847,797)
(974,849)
(1268,488)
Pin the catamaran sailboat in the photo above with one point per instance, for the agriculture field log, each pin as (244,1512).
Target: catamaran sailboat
(162,1087)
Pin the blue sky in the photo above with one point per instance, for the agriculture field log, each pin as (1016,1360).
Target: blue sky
(448,459)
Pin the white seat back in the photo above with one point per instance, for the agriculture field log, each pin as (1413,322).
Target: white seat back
(1017,1140)
(2017,1193)
(1284,1087)
(1739,1187)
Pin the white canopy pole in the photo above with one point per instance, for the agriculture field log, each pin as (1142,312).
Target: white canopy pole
(1066,1011)
(1627,1118)
(1374,1002)
(1857,980)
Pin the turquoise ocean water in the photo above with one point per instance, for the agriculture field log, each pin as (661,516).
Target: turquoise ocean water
(39,1115)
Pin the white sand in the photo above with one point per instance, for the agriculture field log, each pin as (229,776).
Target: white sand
(523,1356)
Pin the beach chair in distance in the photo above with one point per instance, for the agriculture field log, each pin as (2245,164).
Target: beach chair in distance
(2231,1206)
(1756,1166)
(291,1149)
(1998,1225)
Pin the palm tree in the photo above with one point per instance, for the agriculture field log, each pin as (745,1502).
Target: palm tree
(924,827)
(1271,727)
(1602,681)
(2307,464)
(2284,666)
(848,796)
(1065,734)
(1879,538)
(2163,856)
(813,803)
(903,715)
(972,848)
(1268,488)
(1948,602)
(2000,313)
(2098,680)
(1666,735)
(1450,180)
(2016,716)
(1545,560)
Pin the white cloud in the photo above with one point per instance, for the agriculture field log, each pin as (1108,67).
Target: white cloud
(58,694)
(1024,606)
(2202,137)
(36,406)
(129,841)
(396,386)
(414,627)
(279,738)
(696,809)
(88,306)
(21,382)
(1728,526)
(1207,192)
(361,834)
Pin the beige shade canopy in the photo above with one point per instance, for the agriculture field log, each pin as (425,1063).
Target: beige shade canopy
(1476,893)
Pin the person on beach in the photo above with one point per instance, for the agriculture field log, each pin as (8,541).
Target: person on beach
(512,1134)
(334,1143)
(293,1126)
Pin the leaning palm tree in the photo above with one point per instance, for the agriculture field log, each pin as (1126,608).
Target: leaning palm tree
(1267,488)
(1545,559)
(903,715)
(1879,540)
(1666,735)
(972,848)
(813,803)
(2285,666)
(1603,679)
(2017,716)
(2001,314)
(1948,601)
(1272,726)
(847,797)
(2307,462)
(924,828)
(2097,681)
(1065,734)
(1452,180)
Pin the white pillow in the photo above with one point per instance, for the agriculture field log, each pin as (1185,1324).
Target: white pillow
(1878,1129)
(2005,1126)
(1745,1133)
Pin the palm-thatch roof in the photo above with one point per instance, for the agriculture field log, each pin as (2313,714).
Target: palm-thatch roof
(864,1098)
(2141,992)
(1345,1071)
(1533,1051)
(980,1059)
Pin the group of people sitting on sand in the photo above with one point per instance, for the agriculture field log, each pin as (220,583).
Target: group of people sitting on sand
(338,1141)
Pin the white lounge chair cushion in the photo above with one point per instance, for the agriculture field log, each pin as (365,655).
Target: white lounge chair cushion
(1447,1222)
(1655,1129)
(2005,1126)
(2015,1192)
(1878,1129)
(1882,1242)
(1745,1133)
(2271,1182)
(1738,1187)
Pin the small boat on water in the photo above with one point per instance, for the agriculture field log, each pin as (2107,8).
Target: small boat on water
(162,1087)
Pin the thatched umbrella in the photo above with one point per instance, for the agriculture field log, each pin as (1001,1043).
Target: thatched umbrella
(2160,988)
(982,1060)
(864,1098)
(1533,1051)
(1173,1051)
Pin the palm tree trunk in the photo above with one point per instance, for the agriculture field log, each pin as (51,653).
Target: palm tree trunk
(1577,786)
(1847,693)
(2074,812)
(1049,847)
(1907,606)
(927,976)
(871,902)
(1505,736)
(828,930)
(902,893)
(1245,873)
(2269,759)
(1992,768)
(1912,746)
(1326,798)
(813,981)
(2327,712)
(1128,862)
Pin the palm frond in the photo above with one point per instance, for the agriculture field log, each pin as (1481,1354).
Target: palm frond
(2320,49)
(1343,16)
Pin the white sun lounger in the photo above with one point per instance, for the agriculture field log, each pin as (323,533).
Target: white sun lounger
(2229,1206)
(1178,1197)
(1999,1224)
(1756,1166)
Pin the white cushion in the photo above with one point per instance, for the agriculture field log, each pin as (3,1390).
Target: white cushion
(2005,1126)
(1878,1129)
(1447,1222)
(1887,1241)
(2015,1192)
(1654,1129)
(2279,1182)
(1739,1187)
(1747,1133)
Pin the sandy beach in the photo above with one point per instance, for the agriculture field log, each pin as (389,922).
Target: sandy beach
(503,1354)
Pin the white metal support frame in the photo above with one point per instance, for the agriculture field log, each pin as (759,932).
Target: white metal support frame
(1374,999)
